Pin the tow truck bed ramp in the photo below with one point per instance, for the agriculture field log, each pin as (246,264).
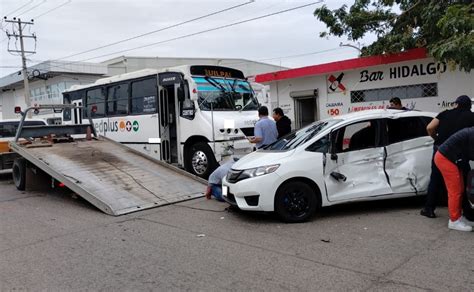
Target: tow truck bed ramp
(113,177)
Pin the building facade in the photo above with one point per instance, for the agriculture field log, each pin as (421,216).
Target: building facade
(317,92)
(47,81)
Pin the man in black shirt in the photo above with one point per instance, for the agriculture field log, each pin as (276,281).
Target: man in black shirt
(441,128)
(283,123)
(396,103)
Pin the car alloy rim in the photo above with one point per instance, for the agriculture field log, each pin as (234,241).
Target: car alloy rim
(296,203)
(199,162)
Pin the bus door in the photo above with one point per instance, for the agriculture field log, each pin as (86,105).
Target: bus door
(169,84)
(77,112)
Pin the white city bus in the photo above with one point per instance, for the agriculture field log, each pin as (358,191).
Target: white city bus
(190,116)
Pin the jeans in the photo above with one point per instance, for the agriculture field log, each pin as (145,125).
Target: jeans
(436,187)
(216,191)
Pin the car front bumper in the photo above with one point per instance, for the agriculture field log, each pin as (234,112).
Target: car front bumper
(252,194)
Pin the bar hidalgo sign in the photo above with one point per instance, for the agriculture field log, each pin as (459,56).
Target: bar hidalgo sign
(404,71)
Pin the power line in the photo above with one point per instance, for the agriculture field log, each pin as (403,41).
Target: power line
(51,10)
(28,10)
(159,30)
(19,8)
(289,56)
(205,31)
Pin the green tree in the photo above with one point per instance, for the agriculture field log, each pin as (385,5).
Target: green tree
(445,28)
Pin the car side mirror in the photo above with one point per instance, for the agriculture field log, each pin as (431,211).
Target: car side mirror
(333,156)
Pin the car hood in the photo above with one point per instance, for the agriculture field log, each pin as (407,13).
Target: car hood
(261,158)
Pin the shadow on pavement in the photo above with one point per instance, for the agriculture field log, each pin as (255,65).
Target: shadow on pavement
(342,210)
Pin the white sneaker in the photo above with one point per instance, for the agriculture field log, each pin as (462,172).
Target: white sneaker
(470,223)
(459,225)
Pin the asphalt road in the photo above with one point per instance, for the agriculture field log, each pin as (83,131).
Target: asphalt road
(52,241)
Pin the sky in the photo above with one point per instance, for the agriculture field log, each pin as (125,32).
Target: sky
(67,27)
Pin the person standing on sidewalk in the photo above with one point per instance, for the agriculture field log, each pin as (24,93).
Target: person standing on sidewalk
(265,130)
(459,148)
(283,123)
(441,128)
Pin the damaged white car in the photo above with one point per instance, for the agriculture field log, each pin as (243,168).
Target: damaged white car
(369,155)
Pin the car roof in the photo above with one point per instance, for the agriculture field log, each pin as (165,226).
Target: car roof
(384,113)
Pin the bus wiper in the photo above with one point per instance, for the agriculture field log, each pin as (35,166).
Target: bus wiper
(250,100)
(214,83)
(232,87)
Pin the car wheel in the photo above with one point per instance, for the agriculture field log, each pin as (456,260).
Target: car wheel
(19,173)
(201,160)
(295,202)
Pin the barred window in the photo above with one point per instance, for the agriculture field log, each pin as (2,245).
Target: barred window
(402,92)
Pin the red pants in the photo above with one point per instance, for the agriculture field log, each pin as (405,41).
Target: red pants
(454,182)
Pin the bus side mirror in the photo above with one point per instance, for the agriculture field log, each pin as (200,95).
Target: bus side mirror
(188,109)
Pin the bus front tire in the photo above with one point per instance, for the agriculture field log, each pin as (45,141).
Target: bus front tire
(200,160)
(19,173)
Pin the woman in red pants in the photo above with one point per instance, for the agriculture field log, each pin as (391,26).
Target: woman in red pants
(457,150)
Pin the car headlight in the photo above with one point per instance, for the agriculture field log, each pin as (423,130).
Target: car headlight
(238,175)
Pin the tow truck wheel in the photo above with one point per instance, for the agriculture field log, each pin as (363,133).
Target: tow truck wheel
(19,173)
(201,160)
(295,202)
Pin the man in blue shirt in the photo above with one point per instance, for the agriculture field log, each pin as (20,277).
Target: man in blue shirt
(214,187)
(265,130)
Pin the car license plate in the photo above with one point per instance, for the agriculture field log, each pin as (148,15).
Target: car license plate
(225,190)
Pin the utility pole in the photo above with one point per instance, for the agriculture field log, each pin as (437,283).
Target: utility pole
(20,35)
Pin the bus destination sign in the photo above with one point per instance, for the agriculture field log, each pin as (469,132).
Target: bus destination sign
(216,71)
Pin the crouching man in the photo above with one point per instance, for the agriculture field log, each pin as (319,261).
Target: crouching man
(214,187)
(453,154)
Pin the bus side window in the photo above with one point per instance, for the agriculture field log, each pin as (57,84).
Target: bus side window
(143,100)
(67,111)
(117,99)
(96,97)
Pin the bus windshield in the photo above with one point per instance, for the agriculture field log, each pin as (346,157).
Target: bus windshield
(225,94)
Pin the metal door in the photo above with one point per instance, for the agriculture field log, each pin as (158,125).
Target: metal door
(168,84)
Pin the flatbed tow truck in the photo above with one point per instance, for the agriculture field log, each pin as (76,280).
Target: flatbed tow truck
(113,177)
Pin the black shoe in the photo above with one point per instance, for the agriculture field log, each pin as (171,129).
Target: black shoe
(427,212)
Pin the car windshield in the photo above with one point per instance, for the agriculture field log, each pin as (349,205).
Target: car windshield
(225,94)
(297,138)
